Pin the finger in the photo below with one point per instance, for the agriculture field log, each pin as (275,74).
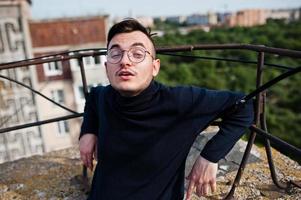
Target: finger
(89,161)
(84,161)
(82,157)
(91,165)
(205,189)
(199,190)
(190,189)
(96,152)
(213,186)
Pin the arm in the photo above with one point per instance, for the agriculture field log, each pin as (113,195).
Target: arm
(202,177)
(88,134)
(88,149)
(203,174)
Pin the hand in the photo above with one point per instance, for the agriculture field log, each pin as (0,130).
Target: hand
(88,149)
(202,177)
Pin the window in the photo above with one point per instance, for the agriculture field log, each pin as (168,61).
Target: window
(53,68)
(74,63)
(88,61)
(81,90)
(92,61)
(97,60)
(63,127)
(58,96)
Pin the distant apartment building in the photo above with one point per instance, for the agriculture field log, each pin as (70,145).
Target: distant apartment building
(212,18)
(247,18)
(62,81)
(286,14)
(253,17)
(222,18)
(176,19)
(197,19)
(17,104)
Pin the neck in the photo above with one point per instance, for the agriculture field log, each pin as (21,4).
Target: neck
(129,93)
(134,93)
(139,101)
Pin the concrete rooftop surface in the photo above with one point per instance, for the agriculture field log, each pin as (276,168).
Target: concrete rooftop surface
(57,175)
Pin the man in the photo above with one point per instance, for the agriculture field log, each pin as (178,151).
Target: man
(143,130)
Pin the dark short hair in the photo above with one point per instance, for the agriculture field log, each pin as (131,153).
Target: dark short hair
(127,26)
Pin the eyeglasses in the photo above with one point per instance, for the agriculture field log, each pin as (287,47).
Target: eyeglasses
(135,55)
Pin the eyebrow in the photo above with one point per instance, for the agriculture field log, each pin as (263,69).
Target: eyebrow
(138,44)
(135,44)
(114,46)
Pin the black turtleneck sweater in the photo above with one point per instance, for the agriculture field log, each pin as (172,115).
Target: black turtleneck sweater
(143,141)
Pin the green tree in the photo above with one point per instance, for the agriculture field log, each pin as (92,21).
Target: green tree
(284,99)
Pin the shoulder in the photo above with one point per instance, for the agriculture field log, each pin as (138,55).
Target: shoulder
(182,93)
(97,90)
(185,91)
(192,94)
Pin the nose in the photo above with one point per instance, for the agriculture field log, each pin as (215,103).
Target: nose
(125,61)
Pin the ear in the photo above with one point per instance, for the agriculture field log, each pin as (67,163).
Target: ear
(106,65)
(156,67)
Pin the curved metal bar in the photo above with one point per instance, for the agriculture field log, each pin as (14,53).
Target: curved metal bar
(258,48)
(290,183)
(38,123)
(85,88)
(37,92)
(59,54)
(48,58)
(258,111)
(287,185)
(277,140)
(241,166)
(228,60)
(271,83)
(268,150)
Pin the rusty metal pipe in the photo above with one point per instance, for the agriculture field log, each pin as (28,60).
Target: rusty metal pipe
(258,110)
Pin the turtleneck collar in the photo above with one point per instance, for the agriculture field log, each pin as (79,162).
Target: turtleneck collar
(138,102)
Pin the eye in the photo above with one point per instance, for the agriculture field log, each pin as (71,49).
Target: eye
(137,53)
(115,54)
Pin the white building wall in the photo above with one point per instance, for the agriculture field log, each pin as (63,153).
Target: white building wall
(95,75)
(17,103)
(55,138)
(73,97)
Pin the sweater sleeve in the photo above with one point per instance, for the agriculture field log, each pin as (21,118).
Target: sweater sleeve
(90,119)
(233,124)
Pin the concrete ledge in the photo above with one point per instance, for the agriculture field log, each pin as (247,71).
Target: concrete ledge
(57,175)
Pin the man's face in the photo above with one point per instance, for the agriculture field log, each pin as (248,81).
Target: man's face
(127,77)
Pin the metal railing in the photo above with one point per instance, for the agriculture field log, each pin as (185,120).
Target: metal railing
(259,127)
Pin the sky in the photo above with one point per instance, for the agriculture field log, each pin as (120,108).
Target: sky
(43,9)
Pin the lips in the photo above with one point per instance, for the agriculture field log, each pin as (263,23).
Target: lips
(125,74)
